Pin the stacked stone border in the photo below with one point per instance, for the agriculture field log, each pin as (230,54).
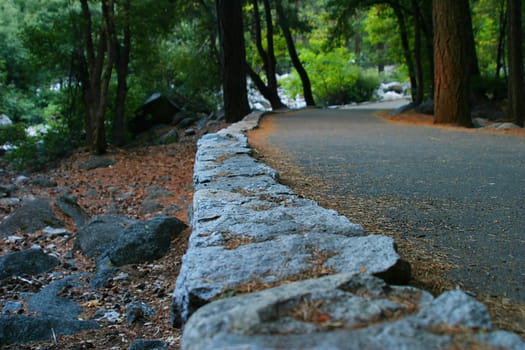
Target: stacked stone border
(266,269)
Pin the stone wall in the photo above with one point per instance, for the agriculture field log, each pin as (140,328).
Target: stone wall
(266,269)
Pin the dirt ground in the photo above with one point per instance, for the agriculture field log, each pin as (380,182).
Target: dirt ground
(169,167)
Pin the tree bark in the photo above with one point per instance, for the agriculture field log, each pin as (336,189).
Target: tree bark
(307,86)
(418,67)
(269,90)
(233,59)
(469,39)
(122,58)
(451,63)
(502,29)
(403,32)
(516,92)
(98,64)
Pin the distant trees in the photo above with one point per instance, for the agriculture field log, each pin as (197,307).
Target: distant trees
(296,61)
(84,66)
(267,56)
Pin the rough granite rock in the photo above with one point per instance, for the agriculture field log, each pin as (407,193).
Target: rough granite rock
(24,329)
(48,303)
(26,262)
(145,241)
(67,203)
(249,229)
(33,215)
(344,311)
(54,314)
(139,311)
(148,344)
(97,162)
(94,237)
(251,233)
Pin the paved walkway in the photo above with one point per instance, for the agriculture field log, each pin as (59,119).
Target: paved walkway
(462,191)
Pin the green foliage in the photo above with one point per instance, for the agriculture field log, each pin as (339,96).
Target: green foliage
(335,77)
(12,134)
(381,41)
(486,29)
(36,152)
(179,59)
(489,86)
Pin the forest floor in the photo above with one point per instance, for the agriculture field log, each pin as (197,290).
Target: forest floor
(169,167)
(166,166)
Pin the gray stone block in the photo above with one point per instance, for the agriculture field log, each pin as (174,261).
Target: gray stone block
(344,311)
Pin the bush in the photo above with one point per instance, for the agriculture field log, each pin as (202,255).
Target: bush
(12,134)
(335,78)
(35,152)
(490,87)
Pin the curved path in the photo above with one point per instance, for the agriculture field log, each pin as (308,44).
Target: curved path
(459,193)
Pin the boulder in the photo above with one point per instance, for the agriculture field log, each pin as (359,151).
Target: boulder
(115,240)
(26,262)
(507,126)
(427,107)
(157,109)
(171,136)
(138,311)
(186,122)
(67,203)
(97,162)
(42,181)
(100,232)
(47,302)
(33,215)
(144,241)
(344,311)
(148,344)
(480,122)
(105,270)
(53,314)
(21,329)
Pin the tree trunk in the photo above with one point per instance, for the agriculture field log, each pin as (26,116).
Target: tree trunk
(501,38)
(98,66)
(307,86)
(233,59)
(269,91)
(406,50)
(469,39)
(122,57)
(516,85)
(451,95)
(418,67)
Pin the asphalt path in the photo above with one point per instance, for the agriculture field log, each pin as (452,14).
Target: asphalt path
(462,191)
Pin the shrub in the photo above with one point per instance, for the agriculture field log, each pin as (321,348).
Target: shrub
(34,152)
(335,78)
(12,134)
